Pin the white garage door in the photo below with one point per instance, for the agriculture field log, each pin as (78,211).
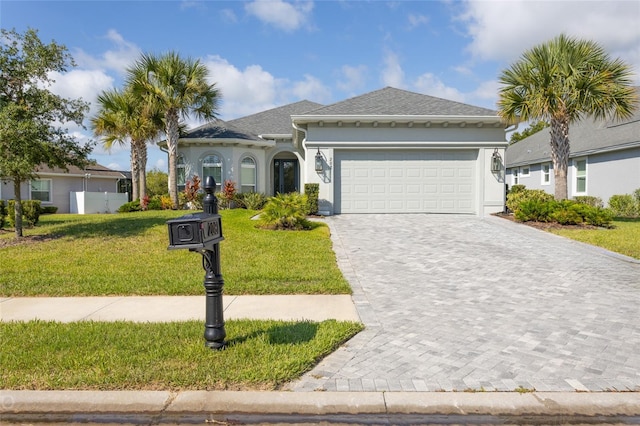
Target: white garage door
(426,181)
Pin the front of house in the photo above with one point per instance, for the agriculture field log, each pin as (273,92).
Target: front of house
(387,151)
(604,159)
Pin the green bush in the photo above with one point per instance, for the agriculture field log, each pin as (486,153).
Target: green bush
(597,216)
(517,188)
(535,210)
(285,211)
(3,213)
(49,210)
(155,203)
(566,212)
(519,194)
(312,190)
(589,200)
(623,205)
(251,200)
(131,206)
(31,210)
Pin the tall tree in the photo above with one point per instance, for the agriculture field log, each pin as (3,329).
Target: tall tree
(562,81)
(31,116)
(178,87)
(123,118)
(531,130)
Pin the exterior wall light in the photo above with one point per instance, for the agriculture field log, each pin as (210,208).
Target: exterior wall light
(496,161)
(319,165)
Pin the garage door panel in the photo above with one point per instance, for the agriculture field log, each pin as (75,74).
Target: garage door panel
(429,181)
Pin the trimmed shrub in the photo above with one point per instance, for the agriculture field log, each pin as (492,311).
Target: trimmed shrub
(589,200)
(623,205)
(31,210)
(131,206)
(597,216)
(519,194)
(312,190)
(155,203)
(535,210)
(285,211)
(165,200)
(251,200)
(3,213)
(49,210)
(566,216)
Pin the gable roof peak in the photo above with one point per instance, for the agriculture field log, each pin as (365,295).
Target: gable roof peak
(393,101)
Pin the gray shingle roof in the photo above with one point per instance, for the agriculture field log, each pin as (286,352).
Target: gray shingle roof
(218,129)
(95,170)
(276,121)
(392,101)
(585,137)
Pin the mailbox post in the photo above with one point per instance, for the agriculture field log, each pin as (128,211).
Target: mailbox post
(202,233)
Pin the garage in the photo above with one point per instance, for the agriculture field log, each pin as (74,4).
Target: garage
(406,181)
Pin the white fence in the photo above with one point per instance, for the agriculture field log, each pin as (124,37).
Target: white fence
(96,202)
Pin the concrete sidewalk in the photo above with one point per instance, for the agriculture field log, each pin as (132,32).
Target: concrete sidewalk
(177,308)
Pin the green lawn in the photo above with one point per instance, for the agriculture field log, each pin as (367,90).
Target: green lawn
(126,254)
(623,238)
(261,355)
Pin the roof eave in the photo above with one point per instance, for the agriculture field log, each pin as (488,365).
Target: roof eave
(314,118)
(227,141)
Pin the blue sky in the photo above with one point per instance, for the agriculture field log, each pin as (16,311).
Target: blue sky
(269,53)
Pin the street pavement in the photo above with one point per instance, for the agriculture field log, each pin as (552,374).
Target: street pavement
(455,308)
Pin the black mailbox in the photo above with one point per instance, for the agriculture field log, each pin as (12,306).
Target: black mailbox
(201,232)
(197,231)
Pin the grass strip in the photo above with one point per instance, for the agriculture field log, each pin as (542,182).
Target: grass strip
(262,355)
(623,238)
(126,254)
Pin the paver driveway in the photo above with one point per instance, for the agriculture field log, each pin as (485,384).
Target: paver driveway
(459,302)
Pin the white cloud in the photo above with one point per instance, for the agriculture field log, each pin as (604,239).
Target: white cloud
(417,20)
(243,91)
(229,15)
(352,78)
(280,14)
(431,85)
(392,73)
(503,30)
(311,89)
(83,84)
(123,55)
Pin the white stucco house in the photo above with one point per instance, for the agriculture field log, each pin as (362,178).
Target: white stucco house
(387,151)
(604,159)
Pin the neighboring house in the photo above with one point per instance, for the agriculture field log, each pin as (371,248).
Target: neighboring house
(53,187)
(604,159)
(388,151)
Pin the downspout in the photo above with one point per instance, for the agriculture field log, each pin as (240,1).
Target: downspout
(304,140)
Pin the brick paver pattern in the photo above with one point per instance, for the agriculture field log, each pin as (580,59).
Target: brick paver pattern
(460,303)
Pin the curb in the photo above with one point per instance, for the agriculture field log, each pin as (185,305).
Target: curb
(14,404)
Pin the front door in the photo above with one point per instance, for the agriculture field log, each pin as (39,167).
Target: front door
(285,176)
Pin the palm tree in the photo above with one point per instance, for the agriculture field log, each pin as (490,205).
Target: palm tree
(563,81)
(122,118)
(176,87)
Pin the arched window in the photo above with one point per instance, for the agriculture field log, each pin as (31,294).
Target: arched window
(212,166)
(247,175)
(181,172)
